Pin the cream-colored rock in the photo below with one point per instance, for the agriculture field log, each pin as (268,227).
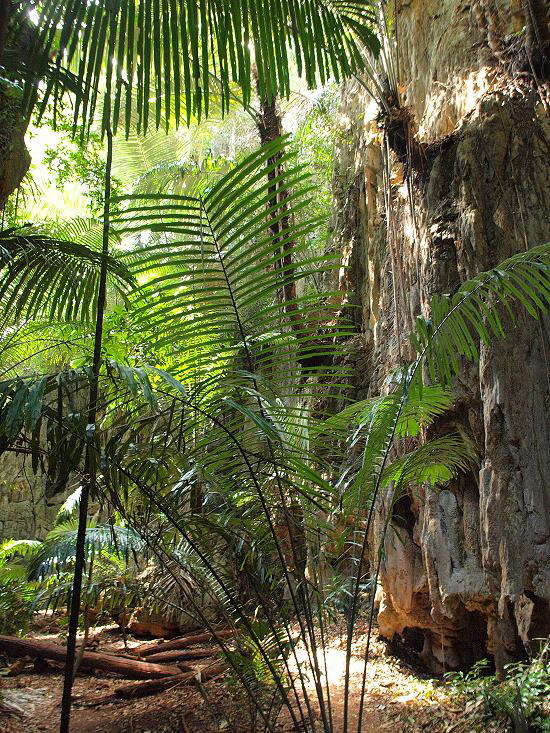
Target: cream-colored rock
(26,509)
(472,567)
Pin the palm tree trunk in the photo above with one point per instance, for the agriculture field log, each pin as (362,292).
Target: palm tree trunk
(14,156)
(82,649)
(270,127)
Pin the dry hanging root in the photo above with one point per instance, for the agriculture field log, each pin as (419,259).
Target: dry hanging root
(524,52)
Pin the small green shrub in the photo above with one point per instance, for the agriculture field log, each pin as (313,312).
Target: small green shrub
(15,607)
(16,592)
(521,698)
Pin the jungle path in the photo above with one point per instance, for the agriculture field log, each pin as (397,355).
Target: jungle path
(399,699)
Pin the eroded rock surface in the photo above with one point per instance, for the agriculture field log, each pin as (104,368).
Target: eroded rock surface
(467,567)
(27,508)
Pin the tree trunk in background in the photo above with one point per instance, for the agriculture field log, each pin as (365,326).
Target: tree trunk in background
(467,568)
(14,156)
(270,127)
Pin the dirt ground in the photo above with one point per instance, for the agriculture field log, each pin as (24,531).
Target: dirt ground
(399,699)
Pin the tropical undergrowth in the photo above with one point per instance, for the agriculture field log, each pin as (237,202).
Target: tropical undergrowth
(172,365)
(520,698)
(214,467)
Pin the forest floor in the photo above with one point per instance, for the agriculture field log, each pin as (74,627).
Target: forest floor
(399,698)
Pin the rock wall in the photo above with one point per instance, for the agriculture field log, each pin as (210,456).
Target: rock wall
(31,496)
(467,567)
(27,511)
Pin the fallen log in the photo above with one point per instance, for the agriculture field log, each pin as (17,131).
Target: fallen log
(153,687)
(182,642)
(177,655)
(134,669)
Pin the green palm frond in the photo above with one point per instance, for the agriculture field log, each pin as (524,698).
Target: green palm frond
(43,416)
(178,162)
(212,275)
(474,312)
(434,462)
(21,406)
(177,580)
(59,548)
(14,559)
(457,321)
(376,424)
(10,549)
(252,664)
(137,155)
(43,276)
(38,346)
(19,66)
(68,509)
(84,231)
(167,49)
(420,409)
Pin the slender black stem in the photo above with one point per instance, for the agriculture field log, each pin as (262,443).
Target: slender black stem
(266,512)
(159,551)
(89,462)
(219,580)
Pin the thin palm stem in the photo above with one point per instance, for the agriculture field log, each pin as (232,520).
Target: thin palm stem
(89,470)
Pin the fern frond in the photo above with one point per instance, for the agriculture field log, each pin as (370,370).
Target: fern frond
(473,313)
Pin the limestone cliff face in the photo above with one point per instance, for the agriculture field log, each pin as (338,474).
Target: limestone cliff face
(467,567)
(27,509)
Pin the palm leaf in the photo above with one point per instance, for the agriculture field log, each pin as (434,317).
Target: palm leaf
(474,313)
(11,549)
(59,548)
(434,462)
(43,276)
(168,48)
(361,435)
(211,275)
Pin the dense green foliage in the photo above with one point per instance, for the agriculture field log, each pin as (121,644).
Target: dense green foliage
(197,407)
(174,51)
(521,698)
